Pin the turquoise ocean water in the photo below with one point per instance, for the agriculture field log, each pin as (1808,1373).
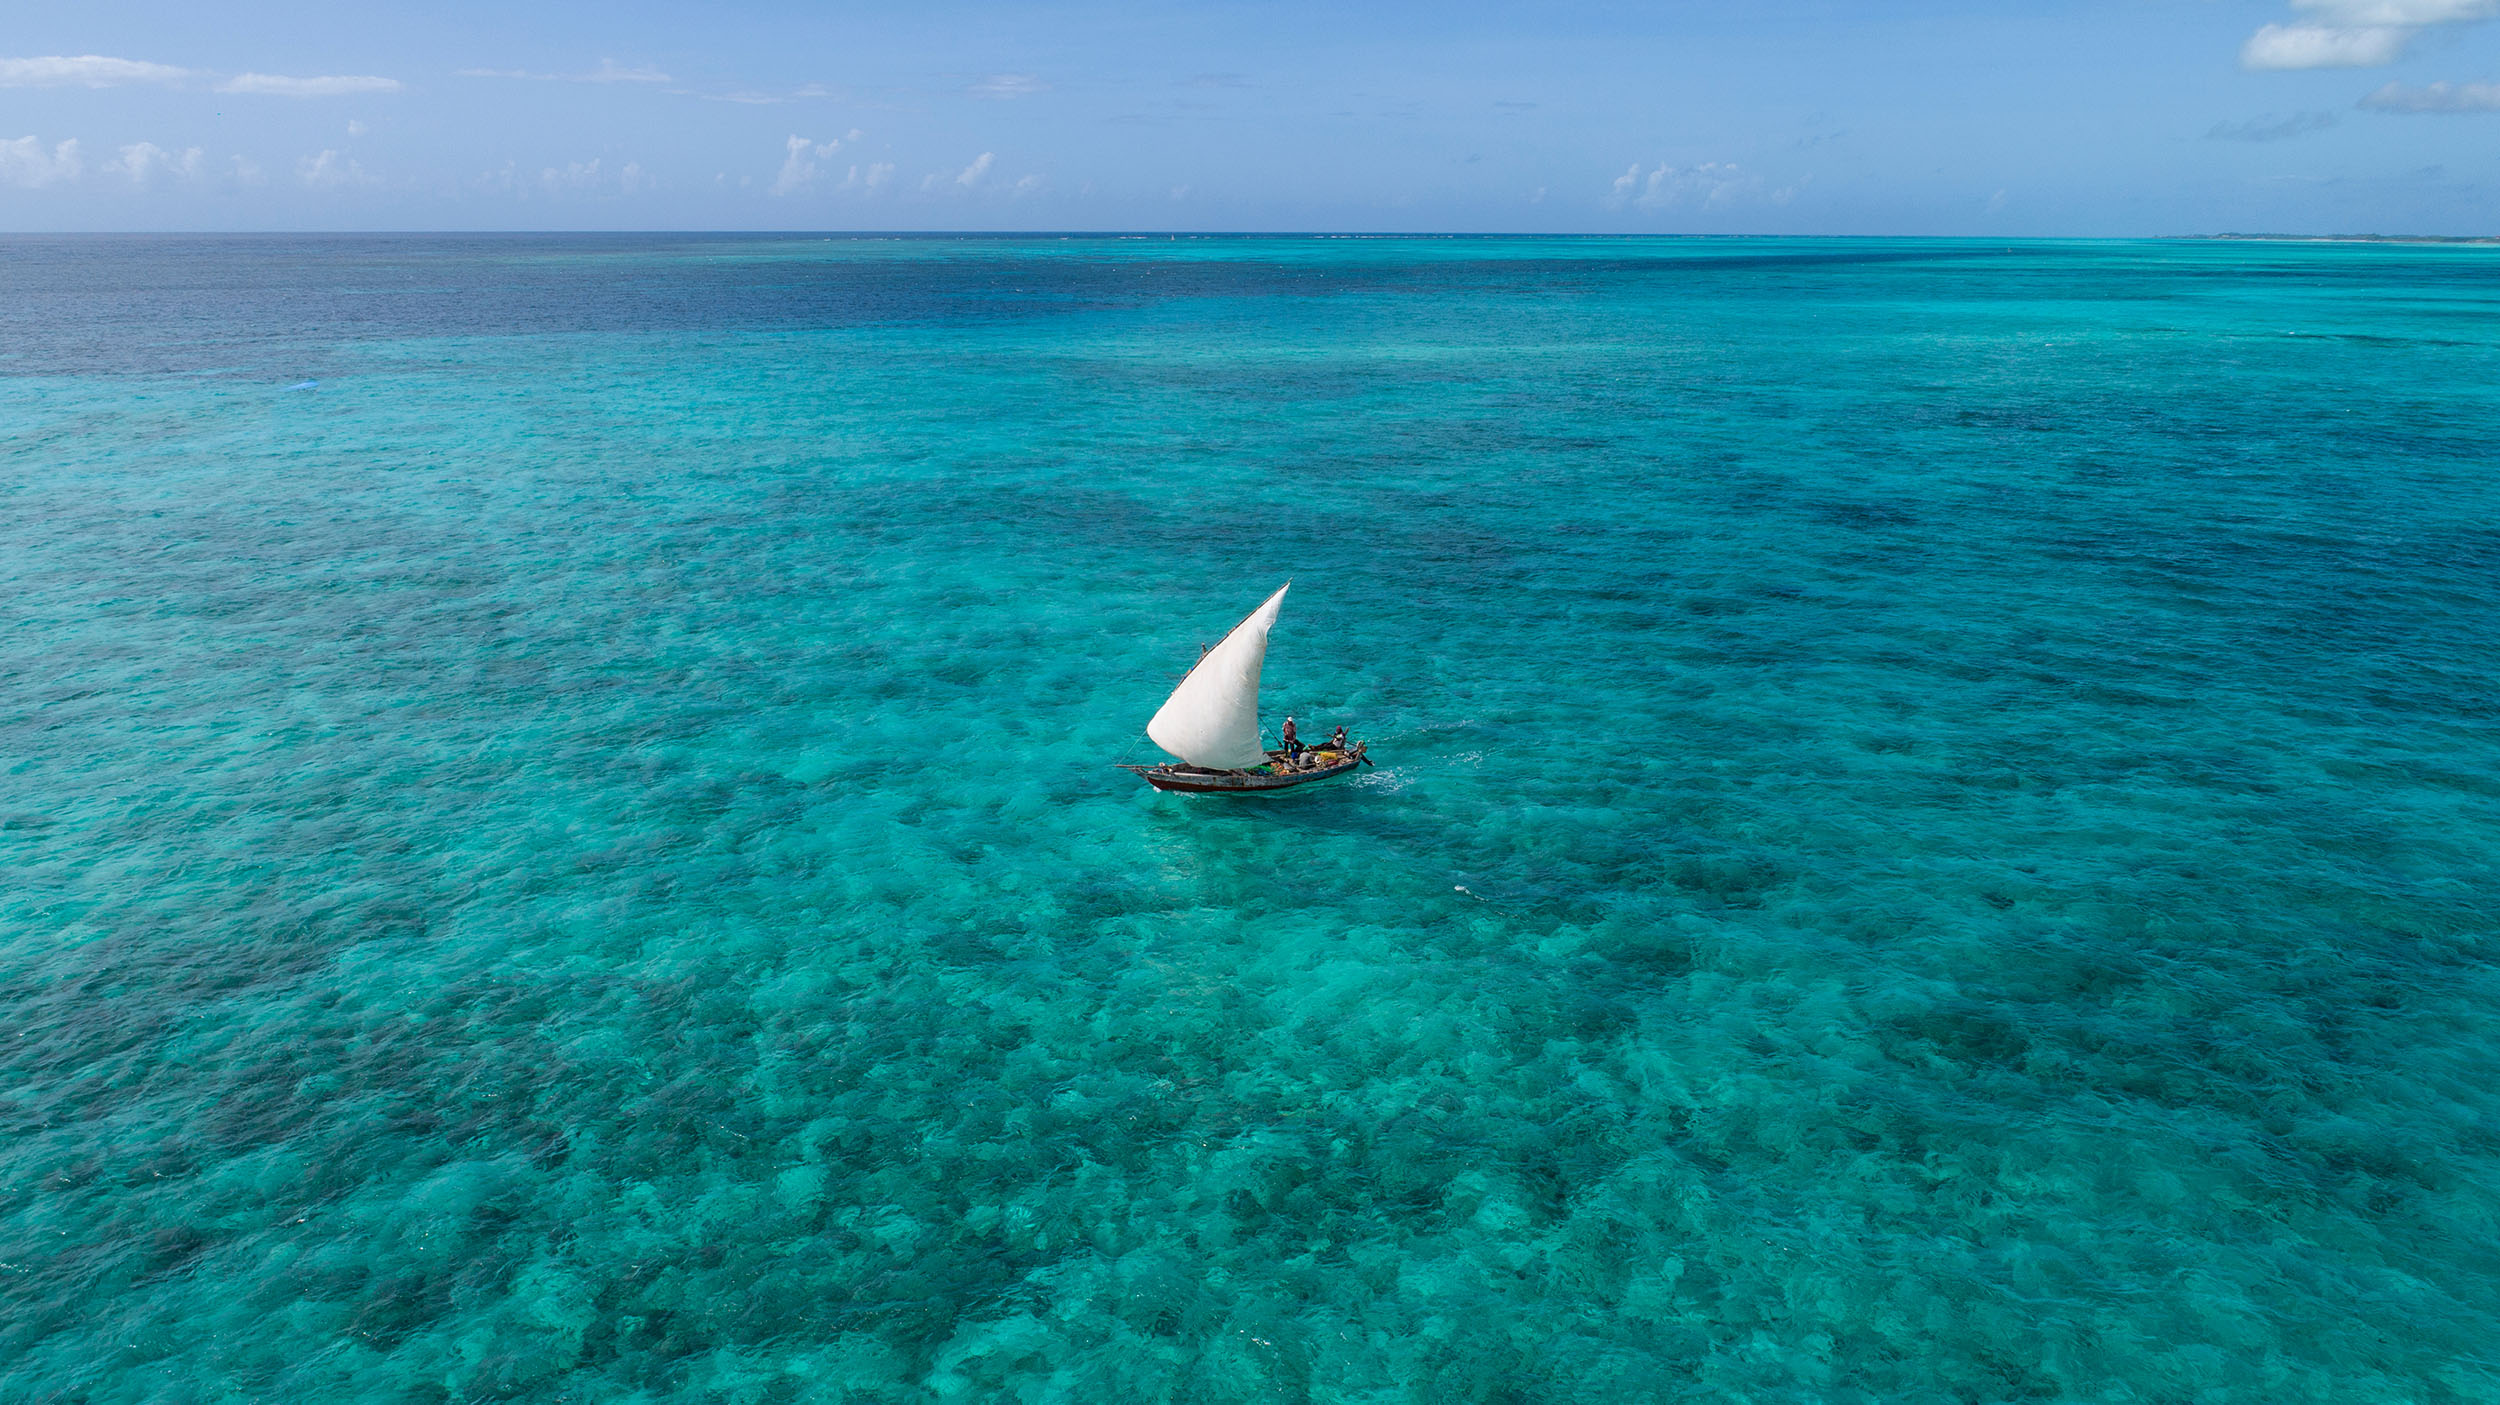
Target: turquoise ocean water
(1934,835)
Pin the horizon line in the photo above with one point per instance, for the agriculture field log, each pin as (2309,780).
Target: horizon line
(2253,236)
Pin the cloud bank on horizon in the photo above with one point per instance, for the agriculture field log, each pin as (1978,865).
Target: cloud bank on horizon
(1780,118)
(98,71)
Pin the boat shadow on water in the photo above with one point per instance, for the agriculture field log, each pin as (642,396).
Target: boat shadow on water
(1346,810)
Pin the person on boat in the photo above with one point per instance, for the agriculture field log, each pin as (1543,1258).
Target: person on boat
(1293,741)
(1336,739)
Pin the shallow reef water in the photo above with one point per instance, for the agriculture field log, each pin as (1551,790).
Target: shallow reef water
(1934,835)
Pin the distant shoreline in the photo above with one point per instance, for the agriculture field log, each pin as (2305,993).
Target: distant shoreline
(2361,238)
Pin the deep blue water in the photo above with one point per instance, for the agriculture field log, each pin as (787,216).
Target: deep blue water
(1934,838)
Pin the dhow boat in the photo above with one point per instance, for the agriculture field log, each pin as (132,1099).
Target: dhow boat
(1211,723)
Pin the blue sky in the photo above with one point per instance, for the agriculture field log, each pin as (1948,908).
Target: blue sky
(1774,116)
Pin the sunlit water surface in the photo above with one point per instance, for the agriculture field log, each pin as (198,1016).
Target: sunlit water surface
(1933,839)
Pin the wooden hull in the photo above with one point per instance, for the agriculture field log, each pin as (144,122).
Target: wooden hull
(1195,780)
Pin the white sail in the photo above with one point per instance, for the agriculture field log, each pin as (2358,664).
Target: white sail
(1212,718)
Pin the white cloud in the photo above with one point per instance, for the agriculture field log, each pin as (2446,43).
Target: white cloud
(356,128)
(2354,33)
(247,172)
(579,175)
(590,176)
(2435,97)
(86,70)
(971,175)
(798,167)
(25,162)
(609,71)
(1709,185)
(1027,185)
(1008,85)
(339,85)
(330,169)
(2284,46)
(2409,13)
(144,161)
(879,172)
